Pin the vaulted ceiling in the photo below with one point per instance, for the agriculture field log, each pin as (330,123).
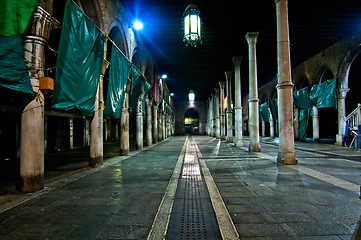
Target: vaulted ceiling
(314,25)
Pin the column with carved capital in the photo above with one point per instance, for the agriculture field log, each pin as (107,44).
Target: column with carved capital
(155,122)
(216,111)
(341,113)
(149,137)
(223,114)
(253,120)
(32,117)
(238,101)
(229,115)
(139,121)
(124,127)
(286,153)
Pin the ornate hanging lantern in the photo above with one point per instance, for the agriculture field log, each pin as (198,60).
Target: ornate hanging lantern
(192,26)
(191,96)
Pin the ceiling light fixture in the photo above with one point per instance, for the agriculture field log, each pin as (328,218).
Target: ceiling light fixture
(192,26)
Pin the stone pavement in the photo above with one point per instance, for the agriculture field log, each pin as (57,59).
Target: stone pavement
(317,199)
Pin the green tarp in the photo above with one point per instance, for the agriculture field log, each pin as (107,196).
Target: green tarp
(264,112)
(323,95)
(137,86)
(14,73)
(301,99)
(79,62)
(304,119)
(273,105)
(118,76)
(15,16)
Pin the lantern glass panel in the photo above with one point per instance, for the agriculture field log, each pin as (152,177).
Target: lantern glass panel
(186,25)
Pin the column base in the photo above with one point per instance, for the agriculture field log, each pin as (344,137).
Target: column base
(287,158)
(239,143)
(254,147)
(29,184)
(96,161)
(339,139)
(124,152)
(229,139)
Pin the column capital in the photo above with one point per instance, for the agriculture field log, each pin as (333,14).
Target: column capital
(251,37)
(228,74)
(342,92)
(217,91)
(237,60)
(222,85)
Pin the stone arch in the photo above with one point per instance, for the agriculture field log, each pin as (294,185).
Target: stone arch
(302,82)
(117,35)
(320,72)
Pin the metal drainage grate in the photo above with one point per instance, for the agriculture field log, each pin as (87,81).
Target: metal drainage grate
(192,214)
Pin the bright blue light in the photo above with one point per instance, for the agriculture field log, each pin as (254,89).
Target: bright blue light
(171,94)
(164,76)
(138,25)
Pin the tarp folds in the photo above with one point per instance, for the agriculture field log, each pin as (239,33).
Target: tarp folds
(301,99)
(79,62)
(15,16)
(14,73)
(118,76)
(273,105)
(304,118)
(264,112)
(323,95)
(137,86)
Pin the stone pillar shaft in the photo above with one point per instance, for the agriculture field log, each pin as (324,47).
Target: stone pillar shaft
(32,117)
(286,153)
(341,110)
(217,118)
(253,119)
(238,101)
(223,114)
(149,137)
(315,125)
(124,128)
(229,114)
(155,123)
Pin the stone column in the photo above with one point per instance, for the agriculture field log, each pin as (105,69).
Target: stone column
(315,125)
(263,129)
(96,126)
(296,122)
(238,101)
(211,116)
(341,110)
(286,153)
(148,103)
(229,107)
(216,110)
(32,117)
(124,127)
(139,122)
(253,120)
(271,125)
(223,114)
(160,126)
(71,132)
(87,132)
(155,122)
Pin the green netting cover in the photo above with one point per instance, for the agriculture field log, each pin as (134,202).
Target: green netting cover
(273,105)
(264,112)
(79,62)
(301,99)
(304,118)
(147,87)
(323,95)
(14,73)
(15,16)
(118,76)
(137,86)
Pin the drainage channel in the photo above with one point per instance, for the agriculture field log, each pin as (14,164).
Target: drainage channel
(192,215)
